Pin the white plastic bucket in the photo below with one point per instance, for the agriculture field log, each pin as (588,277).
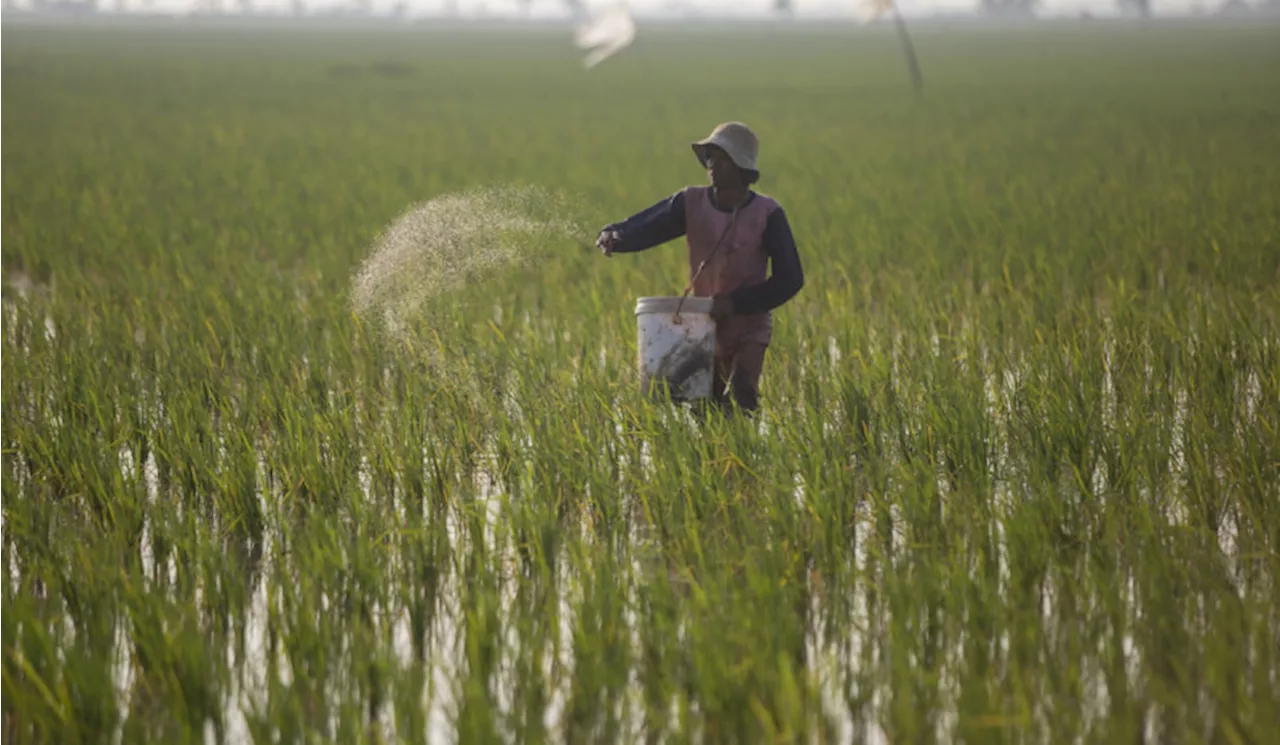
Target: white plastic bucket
(676,358)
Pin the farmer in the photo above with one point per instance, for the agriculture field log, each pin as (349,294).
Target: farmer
(740,234)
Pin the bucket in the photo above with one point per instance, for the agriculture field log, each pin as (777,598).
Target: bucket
(676,356)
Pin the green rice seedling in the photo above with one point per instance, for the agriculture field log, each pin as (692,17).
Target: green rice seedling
(321,419)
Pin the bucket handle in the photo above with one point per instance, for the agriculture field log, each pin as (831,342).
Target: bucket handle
(676,317)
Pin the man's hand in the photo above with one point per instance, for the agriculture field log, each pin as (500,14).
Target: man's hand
(721,307)
(607,241)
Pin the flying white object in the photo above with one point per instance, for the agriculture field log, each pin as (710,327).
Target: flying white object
(605,33)
(871,10)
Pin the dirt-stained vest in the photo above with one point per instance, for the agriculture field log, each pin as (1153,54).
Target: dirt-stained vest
(741,260)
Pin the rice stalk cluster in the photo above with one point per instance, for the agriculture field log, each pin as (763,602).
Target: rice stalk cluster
(1016,477)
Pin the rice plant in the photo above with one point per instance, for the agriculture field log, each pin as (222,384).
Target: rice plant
(302,443)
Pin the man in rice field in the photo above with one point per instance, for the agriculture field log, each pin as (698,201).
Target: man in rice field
(741,235)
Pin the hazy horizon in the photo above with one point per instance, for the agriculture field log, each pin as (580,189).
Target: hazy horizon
(548,9)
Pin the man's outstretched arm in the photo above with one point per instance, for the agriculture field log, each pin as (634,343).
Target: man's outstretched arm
(653,226)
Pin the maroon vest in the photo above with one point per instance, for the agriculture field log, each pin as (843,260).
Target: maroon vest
(740,261)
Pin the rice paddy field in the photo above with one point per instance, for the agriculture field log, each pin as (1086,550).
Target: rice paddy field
(1016,477)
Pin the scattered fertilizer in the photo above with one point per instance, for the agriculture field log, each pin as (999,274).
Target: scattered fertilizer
(451,241)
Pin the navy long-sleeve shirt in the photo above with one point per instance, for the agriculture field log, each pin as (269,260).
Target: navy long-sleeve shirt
(665,221)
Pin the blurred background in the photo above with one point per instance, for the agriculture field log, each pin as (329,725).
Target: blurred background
(425,11)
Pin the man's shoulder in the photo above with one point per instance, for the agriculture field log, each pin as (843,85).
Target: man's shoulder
(693,196)
(767,203)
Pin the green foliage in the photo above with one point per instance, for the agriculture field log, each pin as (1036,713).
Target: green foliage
(1015,478)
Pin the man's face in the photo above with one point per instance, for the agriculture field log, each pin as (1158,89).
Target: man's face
(722,171)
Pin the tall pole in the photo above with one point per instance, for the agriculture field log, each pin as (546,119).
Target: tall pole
(908,49)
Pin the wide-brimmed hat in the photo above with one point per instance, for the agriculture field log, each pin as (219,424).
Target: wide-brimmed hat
(736,140)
